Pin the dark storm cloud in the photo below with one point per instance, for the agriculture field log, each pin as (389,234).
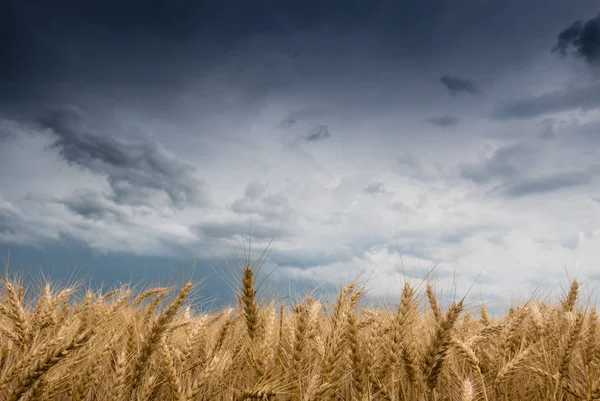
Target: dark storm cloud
(152,47)
(444,121)
(506,162)
(135,42)
(375,188)
(457,85)
(583,37)
(17,40)
(91,205)
(318,133)
(551,183)
(135,172)
(160,44)
(583,98)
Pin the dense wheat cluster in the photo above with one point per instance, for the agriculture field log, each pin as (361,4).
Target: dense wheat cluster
(150,346)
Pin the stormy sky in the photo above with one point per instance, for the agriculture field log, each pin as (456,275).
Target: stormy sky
(139,139)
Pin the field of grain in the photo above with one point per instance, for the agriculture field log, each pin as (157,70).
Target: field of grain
(126,345)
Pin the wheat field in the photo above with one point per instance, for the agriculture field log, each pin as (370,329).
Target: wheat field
(150,345)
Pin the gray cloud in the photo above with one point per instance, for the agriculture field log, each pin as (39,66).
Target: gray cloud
(549,183)
(11,131)
(254,190)
(299,116)
(92,205)
(459,235)
(457,85)
(318,133)
(362,244)
(409,166)
(255,201)
(584,97)
(306,260)
(584,37)
(19,228)
(548,128)
(497,240)
(510,165)
(416,246)
(136,172)
(375,188)
(227,230)
(571,242)
(400,206)
(409,160)
(9,222)
(505,163)
(444,121)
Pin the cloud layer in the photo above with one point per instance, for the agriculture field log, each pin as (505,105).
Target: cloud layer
(356,140)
